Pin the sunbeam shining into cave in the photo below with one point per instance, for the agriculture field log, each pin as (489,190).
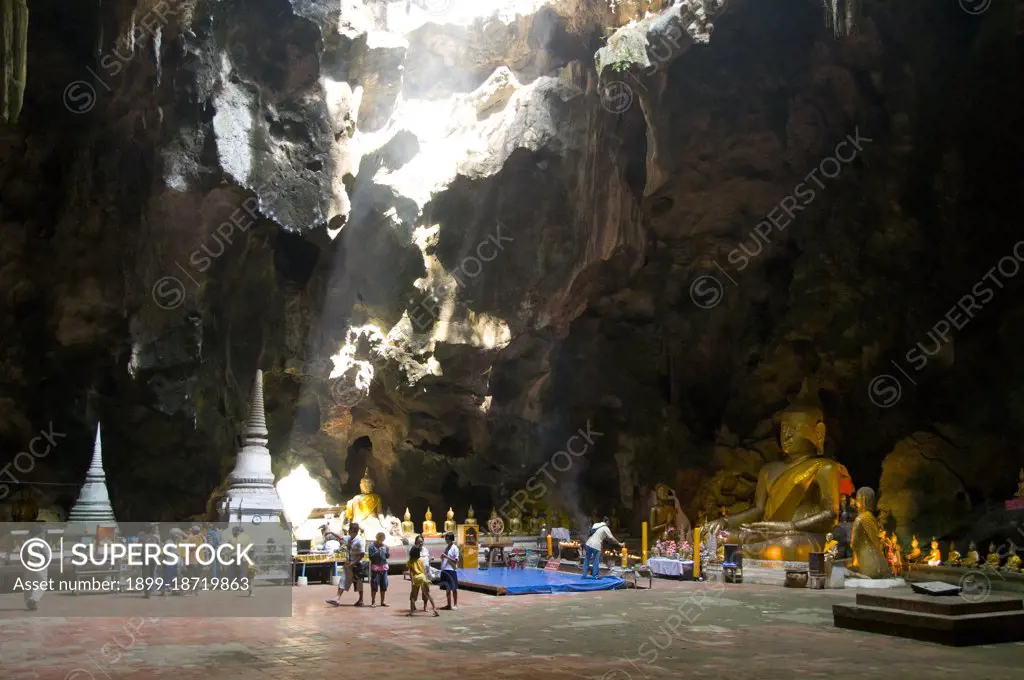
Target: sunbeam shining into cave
(300,494)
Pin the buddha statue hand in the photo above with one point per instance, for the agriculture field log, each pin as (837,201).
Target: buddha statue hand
(715,526)
(771,528)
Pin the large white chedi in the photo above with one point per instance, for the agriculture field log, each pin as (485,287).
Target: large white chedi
(93,505)
(251,496)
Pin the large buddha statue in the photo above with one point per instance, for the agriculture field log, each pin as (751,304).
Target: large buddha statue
(869,559)
(367,510)
(796,501)
(429,528)
(366,504)
(515,525)
(449,522)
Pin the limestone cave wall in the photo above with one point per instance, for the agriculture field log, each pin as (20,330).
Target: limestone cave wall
(501,246)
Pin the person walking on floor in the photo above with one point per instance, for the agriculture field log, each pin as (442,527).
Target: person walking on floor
(599,533)
(419,581)
(449,575)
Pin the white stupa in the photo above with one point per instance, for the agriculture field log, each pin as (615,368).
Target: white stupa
(251,496)
(93,506)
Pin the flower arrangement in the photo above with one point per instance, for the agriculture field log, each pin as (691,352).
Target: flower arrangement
(670,546)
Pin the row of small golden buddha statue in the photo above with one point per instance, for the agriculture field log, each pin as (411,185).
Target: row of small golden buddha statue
(515,524)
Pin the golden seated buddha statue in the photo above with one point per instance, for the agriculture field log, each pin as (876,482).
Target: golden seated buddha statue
(934,557)
(408,528)
(449,522)
(470,517)
(869,559)
(365,505)
(1013,562)
(515,525)
(972,559)
(993,559)
(914,554)
(1020,485)
(429,528)
(953,558)
(796,501)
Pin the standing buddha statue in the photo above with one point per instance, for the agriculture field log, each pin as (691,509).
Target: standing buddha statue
(953,558)
(408,528)
(429,528)
(869,560)
(992,560)
(449,522)
(915,550)
(796,501)
(972,559)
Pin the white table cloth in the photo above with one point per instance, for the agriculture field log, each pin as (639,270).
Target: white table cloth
(663,566)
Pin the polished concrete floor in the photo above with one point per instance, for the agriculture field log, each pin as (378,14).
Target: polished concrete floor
(675,630)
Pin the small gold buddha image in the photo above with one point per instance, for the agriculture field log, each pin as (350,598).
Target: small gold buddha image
(953,558)
(896,556)
(515,526)
(972,559)
(408,528)
(915,550)
(1020,485)
(934,557)
(830,544)
(429,528)
(1013,562)
(993,559)
(869,560)
(470,517)
(449,522)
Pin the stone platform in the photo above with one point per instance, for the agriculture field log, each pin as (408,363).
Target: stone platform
(955,622)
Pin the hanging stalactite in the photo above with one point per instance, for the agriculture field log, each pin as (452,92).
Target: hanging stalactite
(14,51)
(841,15)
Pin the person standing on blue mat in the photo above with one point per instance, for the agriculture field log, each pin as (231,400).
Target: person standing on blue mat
(449,575)
(599,533)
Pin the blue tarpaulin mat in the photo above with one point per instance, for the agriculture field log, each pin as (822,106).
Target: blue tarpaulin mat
(533,581)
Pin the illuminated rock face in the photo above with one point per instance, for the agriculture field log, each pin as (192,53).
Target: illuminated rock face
(93,505)
(251,495)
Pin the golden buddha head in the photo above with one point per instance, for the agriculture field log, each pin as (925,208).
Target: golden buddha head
(429,515)
(913,542)
(408,517)
(802,425)
(470,513)
(451,513)
(366,484)
(935,543)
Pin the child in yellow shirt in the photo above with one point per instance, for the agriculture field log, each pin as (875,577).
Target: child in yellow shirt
(419,580)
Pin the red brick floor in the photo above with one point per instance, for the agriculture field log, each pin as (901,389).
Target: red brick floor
(675,630)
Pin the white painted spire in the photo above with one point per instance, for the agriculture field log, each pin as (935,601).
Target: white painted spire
(94,501)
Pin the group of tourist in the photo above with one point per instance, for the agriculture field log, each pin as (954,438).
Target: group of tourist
(359,559)
(162,579)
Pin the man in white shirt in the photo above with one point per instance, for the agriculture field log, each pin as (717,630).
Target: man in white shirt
(449,575)
(354,548)
(599,533)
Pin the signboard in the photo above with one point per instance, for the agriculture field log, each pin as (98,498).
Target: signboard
(552,565)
